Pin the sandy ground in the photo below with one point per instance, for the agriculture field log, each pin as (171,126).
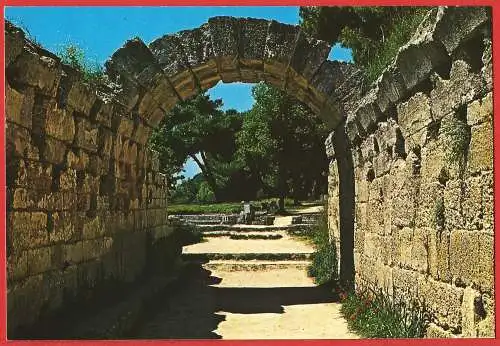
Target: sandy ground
(226,245)
(251,299)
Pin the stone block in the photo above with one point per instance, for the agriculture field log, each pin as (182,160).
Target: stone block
(73,252)
(18,105)
(142,133)
(444,300)
(486,327)
(63,227)
(413,118)
(417,59)
(438,254)
(39,260)
(420,250)
(435,332)
(460,23)
(197,44)
(462,87)
(487,200)
(122,125)
(470,317)
(77,160)
(280,44)
(453,217)
(169,53)
(68,180)
(405,283)
(480,110)
(81,97)
(225,38)
(53,151)
(95,248)
(376,207)
(403,192)
(103,113)
(404,241)
(86,135)
(472,205)
(27,229)
(430,205)
(17,266)
(41,72)
(480,156)
(253,35)
(60,125)
(24,301)
(29,174)
(14,42)
(308,56)
(93,228)
(471,258)
(19,143)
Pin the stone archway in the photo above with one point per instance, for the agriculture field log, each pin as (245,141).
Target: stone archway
(178,66)
(85,195)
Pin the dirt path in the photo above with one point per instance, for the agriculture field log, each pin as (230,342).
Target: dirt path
(249,289)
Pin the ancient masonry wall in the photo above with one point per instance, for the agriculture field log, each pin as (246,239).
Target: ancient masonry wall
(85,199)
(422,147)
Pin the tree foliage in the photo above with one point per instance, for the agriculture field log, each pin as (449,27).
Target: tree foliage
(244,156)
(196,129)
(373,33)
(281,142)
(74,56)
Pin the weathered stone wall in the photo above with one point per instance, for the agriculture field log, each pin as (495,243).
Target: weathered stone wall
(84,196)
(422,147)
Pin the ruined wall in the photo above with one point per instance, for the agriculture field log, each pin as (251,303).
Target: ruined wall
(422,147)
(84,196)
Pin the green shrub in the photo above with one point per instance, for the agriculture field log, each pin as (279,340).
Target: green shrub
(374,314)
(400,34)
(205,194)
(74,56)
(216,208)
(324,265)
(457,134)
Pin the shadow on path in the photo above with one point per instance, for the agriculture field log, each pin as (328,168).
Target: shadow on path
(195,310)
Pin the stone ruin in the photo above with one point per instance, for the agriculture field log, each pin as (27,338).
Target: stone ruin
(86,203)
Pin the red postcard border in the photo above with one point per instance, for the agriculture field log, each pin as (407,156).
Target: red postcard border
(374,342)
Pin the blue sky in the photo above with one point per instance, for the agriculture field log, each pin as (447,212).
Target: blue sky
(102,30)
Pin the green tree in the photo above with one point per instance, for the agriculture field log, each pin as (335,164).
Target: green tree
(200,130)
(281,143)
(373,33)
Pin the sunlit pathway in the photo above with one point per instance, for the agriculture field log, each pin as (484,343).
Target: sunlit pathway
(249,289)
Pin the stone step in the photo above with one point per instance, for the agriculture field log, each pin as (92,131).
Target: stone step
(254,265)
(200,257)
(254,228)
(243,235)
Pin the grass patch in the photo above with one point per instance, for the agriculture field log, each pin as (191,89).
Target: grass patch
(372,314)
(324,266)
